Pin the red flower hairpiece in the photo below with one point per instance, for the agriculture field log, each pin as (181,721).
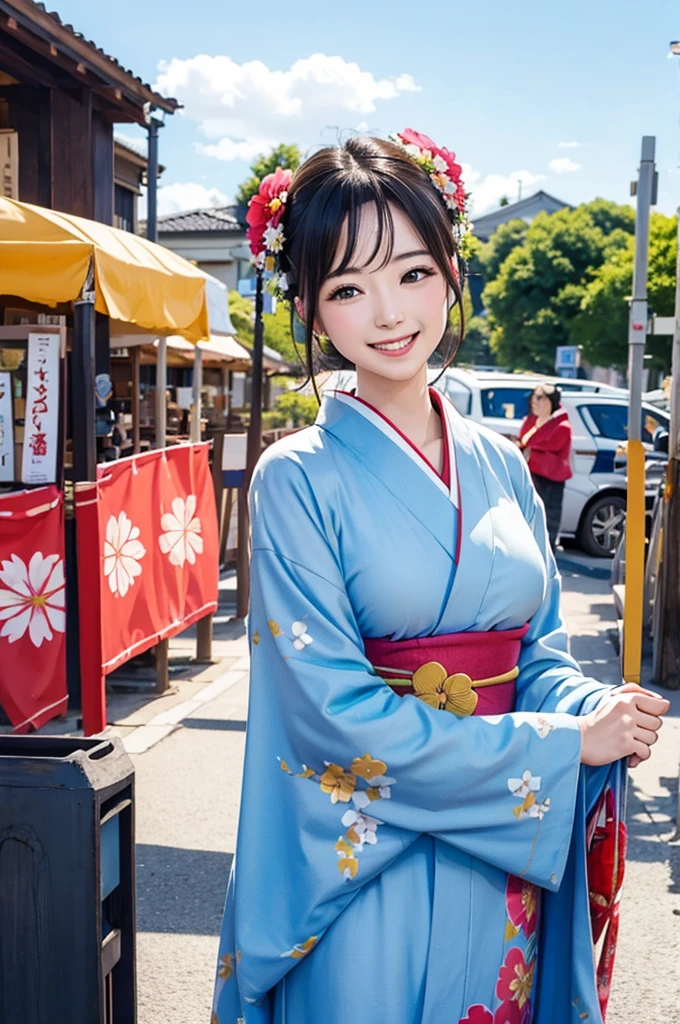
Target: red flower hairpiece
(440,164)
(265,231)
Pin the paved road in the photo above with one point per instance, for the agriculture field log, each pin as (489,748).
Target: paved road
(188,789)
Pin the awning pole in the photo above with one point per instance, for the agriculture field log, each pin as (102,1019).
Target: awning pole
(197,387)
(161,385)
(135,356)
(82,384)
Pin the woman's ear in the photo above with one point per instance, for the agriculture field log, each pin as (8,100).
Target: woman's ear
(299,309)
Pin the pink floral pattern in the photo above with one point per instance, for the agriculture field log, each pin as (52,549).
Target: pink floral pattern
(522,903)
(516,978)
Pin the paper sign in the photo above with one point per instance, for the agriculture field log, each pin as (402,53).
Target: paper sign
(41,433)
(6,429)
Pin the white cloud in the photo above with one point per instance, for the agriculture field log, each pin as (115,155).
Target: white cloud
(244,109)
(181,196)
(563,165)
(569,145)
(487,192)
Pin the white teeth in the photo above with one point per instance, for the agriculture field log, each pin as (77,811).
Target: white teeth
(393,346)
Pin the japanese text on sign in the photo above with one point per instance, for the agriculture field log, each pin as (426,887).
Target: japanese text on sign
(41,432)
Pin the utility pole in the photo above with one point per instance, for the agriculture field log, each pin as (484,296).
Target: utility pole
(645,190)
(667,640)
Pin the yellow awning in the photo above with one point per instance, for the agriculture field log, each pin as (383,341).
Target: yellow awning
(45,257)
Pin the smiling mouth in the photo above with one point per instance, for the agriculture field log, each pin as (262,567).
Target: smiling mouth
(397,345)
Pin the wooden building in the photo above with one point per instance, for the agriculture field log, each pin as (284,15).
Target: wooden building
(60,97)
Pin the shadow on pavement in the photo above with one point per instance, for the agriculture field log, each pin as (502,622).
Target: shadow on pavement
(648,839)
(181,890)
(214,723)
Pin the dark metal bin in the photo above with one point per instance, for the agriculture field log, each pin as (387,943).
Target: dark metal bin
(67,876)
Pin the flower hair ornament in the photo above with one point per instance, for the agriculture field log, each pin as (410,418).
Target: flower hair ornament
(265,231)
(267,206)
(445,174)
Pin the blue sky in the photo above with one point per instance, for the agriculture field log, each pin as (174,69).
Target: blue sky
(505,85)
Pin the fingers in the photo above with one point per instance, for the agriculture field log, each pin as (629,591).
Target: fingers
(648,721)
(647,736)
(634,761)
(651,705)
(641,750)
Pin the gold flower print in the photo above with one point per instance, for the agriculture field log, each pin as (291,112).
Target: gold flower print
(526,789)
(274,628)
(226,966)
(339,783)
(343,785)
(302,949)
(543,727)
(256,638)
(433,685)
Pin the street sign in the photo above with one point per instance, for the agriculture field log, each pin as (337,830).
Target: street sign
(567,360)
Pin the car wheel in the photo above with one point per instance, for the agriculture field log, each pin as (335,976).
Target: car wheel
(602,526)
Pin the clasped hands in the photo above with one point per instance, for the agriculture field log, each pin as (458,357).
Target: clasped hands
(625,725)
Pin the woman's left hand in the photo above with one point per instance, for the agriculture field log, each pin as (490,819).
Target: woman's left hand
(633,760)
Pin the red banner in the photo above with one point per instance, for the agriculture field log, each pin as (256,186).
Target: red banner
(148,555)
(32,607)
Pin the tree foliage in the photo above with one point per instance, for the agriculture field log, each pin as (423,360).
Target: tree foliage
(536,287)
(601,325)
(284,155)
(276,326)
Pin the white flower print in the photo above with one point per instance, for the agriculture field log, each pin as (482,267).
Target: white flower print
(527,784)
(181,540)
(302,637)
(122,554)
(34,598)
(364,826)
(543,727)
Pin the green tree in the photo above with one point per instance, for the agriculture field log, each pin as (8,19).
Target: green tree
(276,326)
(601,325)
(283,155)
(540,285)
(493,253)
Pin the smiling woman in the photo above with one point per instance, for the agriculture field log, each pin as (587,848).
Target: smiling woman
(412,840)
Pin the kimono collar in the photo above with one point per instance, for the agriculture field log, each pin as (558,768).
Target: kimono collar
(335,402)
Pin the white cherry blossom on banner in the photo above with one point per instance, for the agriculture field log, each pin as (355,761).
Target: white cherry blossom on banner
(181,539)
(34,598)
(123,552)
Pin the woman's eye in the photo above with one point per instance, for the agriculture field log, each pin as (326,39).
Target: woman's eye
(346,292)
(416,274)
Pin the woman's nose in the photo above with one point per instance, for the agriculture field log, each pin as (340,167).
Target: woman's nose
(388,315)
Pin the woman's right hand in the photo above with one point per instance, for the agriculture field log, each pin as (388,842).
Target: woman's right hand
(625,725)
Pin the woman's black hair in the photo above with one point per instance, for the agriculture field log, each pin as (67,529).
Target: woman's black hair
(551,392)
(329,189)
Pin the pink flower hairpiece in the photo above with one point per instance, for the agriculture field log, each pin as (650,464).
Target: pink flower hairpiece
(265,231)
(440,164)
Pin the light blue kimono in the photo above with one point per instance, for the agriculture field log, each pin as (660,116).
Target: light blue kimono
(388,853)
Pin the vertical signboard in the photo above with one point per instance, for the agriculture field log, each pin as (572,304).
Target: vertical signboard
(6,429)
(41,435)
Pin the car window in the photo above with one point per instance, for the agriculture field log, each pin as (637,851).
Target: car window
(458,393)
(506,403)
(611,421)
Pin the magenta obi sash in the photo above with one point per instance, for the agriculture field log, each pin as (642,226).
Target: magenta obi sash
(465,673)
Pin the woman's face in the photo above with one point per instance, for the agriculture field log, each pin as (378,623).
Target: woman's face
(386,320)
(540,404)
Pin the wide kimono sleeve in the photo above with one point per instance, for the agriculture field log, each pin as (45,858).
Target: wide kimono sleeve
(549,680)
(341,774)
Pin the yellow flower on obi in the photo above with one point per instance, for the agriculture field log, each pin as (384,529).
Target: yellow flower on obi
(226,966)
(367,768)
(432,685)
(339,783)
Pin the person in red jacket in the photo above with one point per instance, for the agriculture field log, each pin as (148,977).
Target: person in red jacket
(545,439)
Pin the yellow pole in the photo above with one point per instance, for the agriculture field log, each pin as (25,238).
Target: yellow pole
(635,563)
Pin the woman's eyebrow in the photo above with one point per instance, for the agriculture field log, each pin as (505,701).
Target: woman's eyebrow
(360,270)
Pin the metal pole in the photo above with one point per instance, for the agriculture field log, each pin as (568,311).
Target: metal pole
(255,427)
(152,181)
(161,384)
(635,508)
(197,385)
(82,390)
(667,640)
